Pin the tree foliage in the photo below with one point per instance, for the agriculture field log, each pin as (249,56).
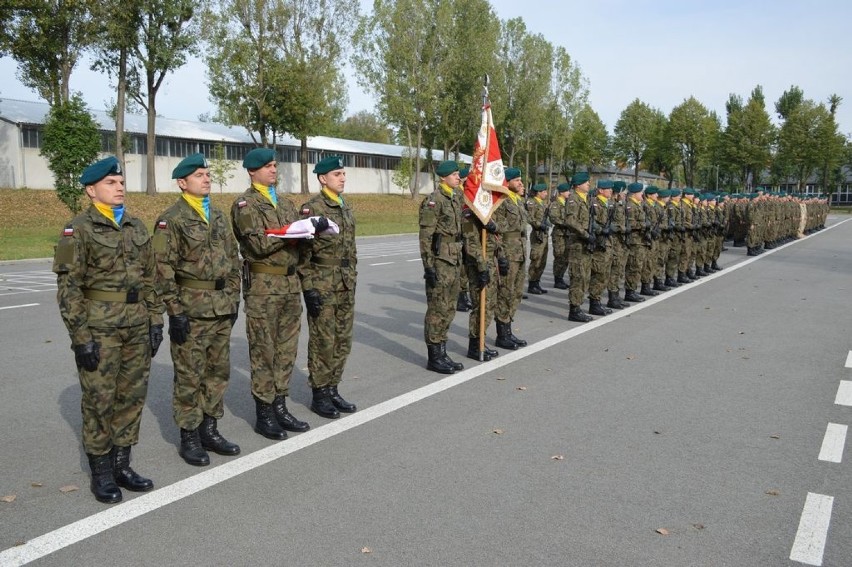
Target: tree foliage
(747,141)
(364,126)
(633,134)
(71,142)
(693,130)
(589,144)
(220,166)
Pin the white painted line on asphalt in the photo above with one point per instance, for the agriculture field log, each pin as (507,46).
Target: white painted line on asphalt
(18,306)
(809,544)
(844,393)
(849,360)
(833,443)
(381,264)
(415,260)
(87,527)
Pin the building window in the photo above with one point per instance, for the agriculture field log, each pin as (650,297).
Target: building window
(138,145)
(179,148)
(235,152)
(162,147)
(108,142)
(205,148)
(31,137)
(288,155)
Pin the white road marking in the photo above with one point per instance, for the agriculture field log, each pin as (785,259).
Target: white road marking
(809,544)
(844,393)
(849,360)
(84,528)
(833,443)
(415,260)
(17,306)
(381,263)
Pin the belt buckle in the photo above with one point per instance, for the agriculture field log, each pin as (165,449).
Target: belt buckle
(220,284)
(133,296)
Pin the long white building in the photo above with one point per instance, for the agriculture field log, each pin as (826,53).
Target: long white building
(369,166)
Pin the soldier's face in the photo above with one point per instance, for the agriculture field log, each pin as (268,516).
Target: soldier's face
(196,183)
(266,175)
(452,180)
(517,185)
(334,180)
(583,187)
(108,191)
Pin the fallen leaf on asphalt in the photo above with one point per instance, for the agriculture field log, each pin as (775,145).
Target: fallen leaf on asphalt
(498,431)
(522,388)
(745,357)
(68,488)
(698,526)
(366,550)
(662,531)
(741,332)
(706,308)
(500,378)
(20,542)
(631,356)
(548,370)
(36,484)
(8,498)
(656,432)
(776,436)
(772,492)
(558,458)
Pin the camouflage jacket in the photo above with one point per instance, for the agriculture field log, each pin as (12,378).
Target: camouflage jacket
(634,221)
(251,215)
(331,259)
(511,220)
(537,217)
(440,220)
(472,234)
(190,251)
(601,209)
(577,213)
(95,255)
(557,217)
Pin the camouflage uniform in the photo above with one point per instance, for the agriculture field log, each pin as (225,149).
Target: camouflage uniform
(537,214)
(579,258)
(510,218)
(331,270)
(601,258)
(476,263)
(559,238)
(105,280)
(619,253)
(635,228)
(199,276)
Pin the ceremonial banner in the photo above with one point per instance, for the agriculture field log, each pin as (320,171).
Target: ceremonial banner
(485,184)
(303,228)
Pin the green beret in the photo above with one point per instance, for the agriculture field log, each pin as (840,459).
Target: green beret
(512,173)
(652,190)
(675,192)
(634,187)
(100,169)
(604,184)
(663,193)
(188,165)
(688,191)
(464,172)
(579,178)
(446,168)
(539,187)
(562,187)
(258,157)
(329,163)
(619,186)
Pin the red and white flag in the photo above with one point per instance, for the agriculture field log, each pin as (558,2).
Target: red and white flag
(486,183)
(303,228)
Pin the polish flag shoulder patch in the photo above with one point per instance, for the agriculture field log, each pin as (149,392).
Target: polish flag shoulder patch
(68,231)
(241,203)
(161,225)
(306,211)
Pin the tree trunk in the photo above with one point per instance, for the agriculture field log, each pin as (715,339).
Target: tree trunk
(151,156)
(415,186)
(120,104)
(303,164)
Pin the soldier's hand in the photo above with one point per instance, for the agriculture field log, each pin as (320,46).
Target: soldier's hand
(606,231)
(88,355)
(155,336)
(320,224)
(431,277)
(313,302)
(483,279)
(503,266)
(178,328)
(491,227)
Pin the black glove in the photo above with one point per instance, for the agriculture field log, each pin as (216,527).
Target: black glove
(88,355)
(503,266)
(320,224)
(606,231)
(313,302)
(234,319)
(431,277)
(491,227)
(592,238)
(178,328)
(483,279)
(155,336)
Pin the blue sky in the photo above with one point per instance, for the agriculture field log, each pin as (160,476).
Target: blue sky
(660,51)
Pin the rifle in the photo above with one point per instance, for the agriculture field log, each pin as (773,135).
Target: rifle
(592,243)
(607,229)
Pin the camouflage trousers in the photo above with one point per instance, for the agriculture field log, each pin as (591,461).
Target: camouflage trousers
(699,250)
(650,261)
(560,254)
(441,303)
(673,257)
(273,323)
(685,253)
(510,290)
(580,272)
(330,338)
(490,298)
(601,264)
(618,265)
(538,255)
(663,246)
(113,396)
(633,270)
(202,370)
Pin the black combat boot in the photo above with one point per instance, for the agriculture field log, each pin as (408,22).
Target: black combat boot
(504,337)
(715,266)
(212,440)
(658,285)
(646,290)
(285,419)
(266,424)
(436,362)
(456,365)
(191,450)
(512,337)
(708,269)
(339,402)
(699,271)
(462,302)
(739,243)
(473,350)
(576,314)
(770,245)
(595,308)
(671,282)
(682,278)
(103,484)
(752,251)
(125,476)
(631,295)
(559,283)
(321,403)
(534,288)
(615,301)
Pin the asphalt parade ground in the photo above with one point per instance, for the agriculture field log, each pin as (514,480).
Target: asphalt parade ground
(706,426)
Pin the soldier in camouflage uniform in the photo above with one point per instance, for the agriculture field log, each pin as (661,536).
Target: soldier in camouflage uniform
(651,236)
(601,261)
(441,253)
(328,280)
(105,270)
(581,242)
(481,267)
(559,235)
(675,237)
(537,213)
(634,229)
(198,268)
(619,247)
(463,303)
(271,289)
(686,253)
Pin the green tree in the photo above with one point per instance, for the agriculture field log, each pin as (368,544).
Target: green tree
(71,142)
(832,147)
(220,166)
(663,155)
(799,148)
(403,172)
(746,143)
(363,126)
(633,134)
(589,143)
(692,129)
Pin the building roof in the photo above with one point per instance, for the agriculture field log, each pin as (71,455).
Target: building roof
(30,113)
